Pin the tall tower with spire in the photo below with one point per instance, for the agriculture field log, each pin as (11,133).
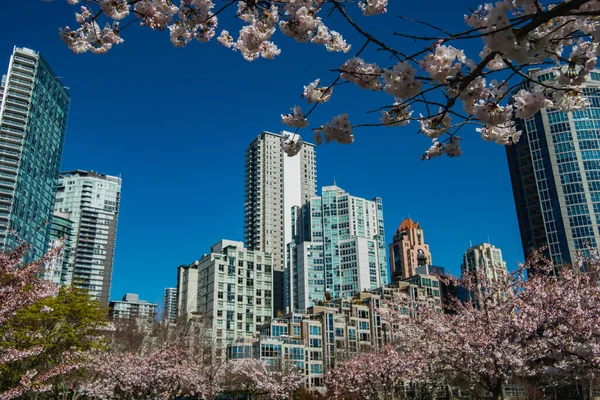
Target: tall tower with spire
(408,250)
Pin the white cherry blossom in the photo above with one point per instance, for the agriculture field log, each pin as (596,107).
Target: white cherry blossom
(315,94)
(364,75)
(296,119)
(291,143)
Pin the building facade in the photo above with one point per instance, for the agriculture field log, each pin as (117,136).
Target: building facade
(187,290)
(274,184)
(408,250)
(555,173)
(337,249)
(234,291)
(486,258)
(170,305)
(132,308)
(317,340)
(60,270)
(92,201)
(33,120)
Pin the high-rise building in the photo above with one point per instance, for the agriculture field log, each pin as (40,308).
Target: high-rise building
(338,249)
(408,250)
(274,184)
(555,173)
(170,305)
(92,202)
(484,258)
(132,308)
(60,270)
(33,120)
(235,291)
(187,290)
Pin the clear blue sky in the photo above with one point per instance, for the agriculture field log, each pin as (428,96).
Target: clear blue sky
(174,123)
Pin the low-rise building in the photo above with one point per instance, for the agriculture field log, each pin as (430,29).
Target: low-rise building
(132,308)
(331,332)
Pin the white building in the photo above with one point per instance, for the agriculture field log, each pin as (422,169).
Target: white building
(338,249)
(487,258)
(274,184)
(235,291)
(170,305)
(187,290)
(131,307)
(92,202)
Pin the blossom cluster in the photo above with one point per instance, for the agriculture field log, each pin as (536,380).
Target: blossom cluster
(514,35)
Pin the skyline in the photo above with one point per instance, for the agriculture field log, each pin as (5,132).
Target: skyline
(166,211)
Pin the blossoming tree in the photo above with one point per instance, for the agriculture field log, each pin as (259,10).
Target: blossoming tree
(441,82)
(541,327)
(20,287)
(252,377)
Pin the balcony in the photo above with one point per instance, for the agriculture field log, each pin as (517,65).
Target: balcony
(9,153)
(20,88)
(11,130)
(4,160)
(11,93)
(20,110)
(22,67)
(28,77)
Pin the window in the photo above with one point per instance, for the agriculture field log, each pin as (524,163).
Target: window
(316,368)
(315,330)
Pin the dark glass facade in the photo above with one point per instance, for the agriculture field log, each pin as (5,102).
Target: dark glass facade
(555,173)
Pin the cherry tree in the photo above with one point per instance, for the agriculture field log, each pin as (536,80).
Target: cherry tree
(381,374)
(440,86)
(253,377)
(164,372)
(538,324)
(20,287)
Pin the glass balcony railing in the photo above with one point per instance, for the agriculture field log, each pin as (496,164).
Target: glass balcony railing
(7,167)
(8,129)
(12,145)
(23,75)
(21,96)
(9,152)
(18,109)
(23,67)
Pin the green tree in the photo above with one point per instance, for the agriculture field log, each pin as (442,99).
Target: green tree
(69,322)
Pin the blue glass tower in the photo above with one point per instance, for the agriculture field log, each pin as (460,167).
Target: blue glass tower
(555,172)
(33,120)
(338,249)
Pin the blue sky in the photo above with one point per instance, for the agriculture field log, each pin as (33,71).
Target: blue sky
(174,123)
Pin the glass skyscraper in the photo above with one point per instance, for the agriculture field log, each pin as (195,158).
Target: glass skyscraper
(61,267)
(33,120)
(338,249)
(555,172)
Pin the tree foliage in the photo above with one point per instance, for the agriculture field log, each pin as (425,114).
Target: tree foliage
(56,325)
